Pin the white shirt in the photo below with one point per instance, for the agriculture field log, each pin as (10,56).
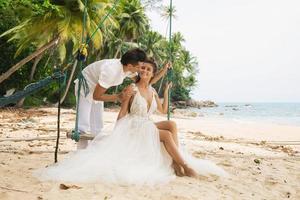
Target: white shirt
(107,72)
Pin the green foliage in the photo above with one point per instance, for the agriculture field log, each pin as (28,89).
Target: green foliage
(32,101)
(30,24)
(9,17)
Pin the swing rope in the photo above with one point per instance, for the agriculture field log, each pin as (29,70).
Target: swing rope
(32,88)
(58,120)
(170,74)
(81,57)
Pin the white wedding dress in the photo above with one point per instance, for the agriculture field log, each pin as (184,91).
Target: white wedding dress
(131,154)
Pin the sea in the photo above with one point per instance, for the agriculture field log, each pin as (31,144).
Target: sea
(276,113)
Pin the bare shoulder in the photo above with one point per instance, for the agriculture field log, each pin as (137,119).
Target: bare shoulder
(154,91)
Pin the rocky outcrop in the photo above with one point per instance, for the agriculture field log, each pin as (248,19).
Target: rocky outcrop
(180,104)
(200,104)
(194,104)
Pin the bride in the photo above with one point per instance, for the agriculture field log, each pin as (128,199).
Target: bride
(136,152)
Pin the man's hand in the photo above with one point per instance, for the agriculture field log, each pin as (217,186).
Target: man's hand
(126,93)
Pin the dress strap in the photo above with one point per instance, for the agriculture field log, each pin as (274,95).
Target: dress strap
(153,90)
(134,87)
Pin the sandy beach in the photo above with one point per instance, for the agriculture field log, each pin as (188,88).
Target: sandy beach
(260,165)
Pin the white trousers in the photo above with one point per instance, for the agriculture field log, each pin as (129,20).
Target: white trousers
(90,118)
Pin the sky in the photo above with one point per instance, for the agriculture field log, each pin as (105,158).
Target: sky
(247,50)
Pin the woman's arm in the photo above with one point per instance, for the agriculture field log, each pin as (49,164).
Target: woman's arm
(163,107)
(124,108)
(126,101)
(160,74)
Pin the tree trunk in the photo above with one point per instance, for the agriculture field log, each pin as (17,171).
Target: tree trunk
(116,54)
(14,68)
(69,81)
(36,62)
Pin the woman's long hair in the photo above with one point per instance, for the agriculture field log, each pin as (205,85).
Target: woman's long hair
(154,67)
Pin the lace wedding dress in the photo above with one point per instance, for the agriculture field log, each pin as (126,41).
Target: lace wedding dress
(131,154)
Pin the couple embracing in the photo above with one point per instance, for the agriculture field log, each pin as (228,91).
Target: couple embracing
(137,151)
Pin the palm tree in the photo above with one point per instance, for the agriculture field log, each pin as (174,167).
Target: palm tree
(58,25)
(172,52)
(132,19)
(167,11)
(112,45)
(132,24)
(152,43)
(188,61)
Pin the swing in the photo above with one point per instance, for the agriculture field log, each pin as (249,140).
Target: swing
(81,57)
(32,88)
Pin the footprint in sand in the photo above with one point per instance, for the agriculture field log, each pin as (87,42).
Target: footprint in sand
(270,181)
(226,164)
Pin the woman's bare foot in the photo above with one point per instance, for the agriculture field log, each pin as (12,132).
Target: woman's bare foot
(177,169)
(189,171)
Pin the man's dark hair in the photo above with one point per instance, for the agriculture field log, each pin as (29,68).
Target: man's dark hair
(133,56)
(154,68)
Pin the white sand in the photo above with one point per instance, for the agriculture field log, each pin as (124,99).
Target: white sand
(233,145)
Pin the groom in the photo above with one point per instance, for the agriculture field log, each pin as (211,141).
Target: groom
(100,76)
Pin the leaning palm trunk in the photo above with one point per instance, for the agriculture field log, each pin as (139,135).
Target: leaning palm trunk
(36,62)
(17,66)
(117,53)
(69,81)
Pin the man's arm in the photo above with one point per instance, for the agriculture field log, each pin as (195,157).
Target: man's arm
(160,74)
(99,95)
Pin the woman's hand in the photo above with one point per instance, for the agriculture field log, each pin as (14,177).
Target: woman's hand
(167,66)
(163,108)
(161,73)
(168,86)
